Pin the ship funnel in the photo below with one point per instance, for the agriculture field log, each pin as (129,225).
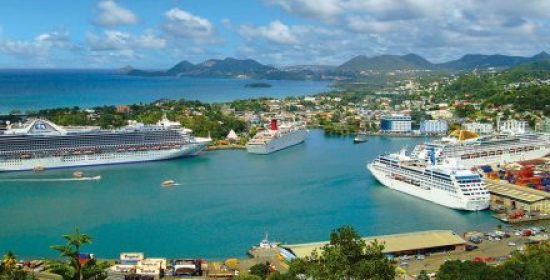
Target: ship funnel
(273,124)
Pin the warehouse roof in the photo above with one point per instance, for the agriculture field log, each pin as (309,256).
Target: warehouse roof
(395,242)
(515,192)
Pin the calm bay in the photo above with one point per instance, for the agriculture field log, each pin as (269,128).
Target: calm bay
(227,200)
(25,90)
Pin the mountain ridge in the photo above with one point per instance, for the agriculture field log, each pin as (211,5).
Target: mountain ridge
(249,68)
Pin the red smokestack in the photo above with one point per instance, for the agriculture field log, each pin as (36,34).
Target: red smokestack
(273,124)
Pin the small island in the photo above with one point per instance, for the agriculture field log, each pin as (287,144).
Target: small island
(258,85)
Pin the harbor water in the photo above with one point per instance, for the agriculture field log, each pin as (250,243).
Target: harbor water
(25,90)
(225,201)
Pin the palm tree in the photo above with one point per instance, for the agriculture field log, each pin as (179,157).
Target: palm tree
(9,261)
(74,270)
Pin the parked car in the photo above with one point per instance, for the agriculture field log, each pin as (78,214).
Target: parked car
(475,239)
(471,247)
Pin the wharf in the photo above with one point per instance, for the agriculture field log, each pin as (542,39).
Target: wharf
(509,197)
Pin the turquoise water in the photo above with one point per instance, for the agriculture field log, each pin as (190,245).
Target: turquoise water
(227,201)
(38,89)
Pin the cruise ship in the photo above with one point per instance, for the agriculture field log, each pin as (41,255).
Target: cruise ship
(40,144)
(444,184)
(470,150)
(277,138)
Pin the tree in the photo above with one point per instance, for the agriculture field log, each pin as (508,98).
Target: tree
(247,277)
(72,268)
(347,256)
(9,261)
(467,270)
(423,275)
(533,264)
(10,271)
(261,270)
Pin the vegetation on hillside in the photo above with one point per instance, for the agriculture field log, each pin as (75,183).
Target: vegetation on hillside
(202,118)
(517,86)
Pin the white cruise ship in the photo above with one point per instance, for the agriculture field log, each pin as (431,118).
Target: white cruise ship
(39,144)
(277,138)
(470,150)
(445,185)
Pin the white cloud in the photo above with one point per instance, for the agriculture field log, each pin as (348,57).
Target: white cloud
(276,32)
(110,14)
(311,8)
(180,23)
(438,29)
(117,40)
(40,47)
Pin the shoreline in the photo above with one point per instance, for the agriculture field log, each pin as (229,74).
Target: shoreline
(225,147)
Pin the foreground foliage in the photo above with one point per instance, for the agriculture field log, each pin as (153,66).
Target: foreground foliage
(71,268)
(346,256)
(533,264)
(10,271)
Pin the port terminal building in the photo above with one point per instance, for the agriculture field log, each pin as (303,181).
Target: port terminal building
(413,243)
(506,196)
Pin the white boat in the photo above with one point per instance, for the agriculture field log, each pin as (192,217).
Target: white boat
(445,184)
(168,183)
(470,150)
(40,144)
(277,138)
(360,137)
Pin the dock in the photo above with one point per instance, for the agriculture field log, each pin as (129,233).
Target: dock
(509,197)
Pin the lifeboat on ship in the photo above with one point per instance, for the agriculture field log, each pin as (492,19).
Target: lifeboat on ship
(25,156)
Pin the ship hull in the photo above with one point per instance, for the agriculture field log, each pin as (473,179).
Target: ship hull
(432,195)
(56,162)
(277,144)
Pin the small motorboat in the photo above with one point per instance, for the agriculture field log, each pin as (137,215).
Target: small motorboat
(168,183)
(360,137)
(38,168)
(78,174)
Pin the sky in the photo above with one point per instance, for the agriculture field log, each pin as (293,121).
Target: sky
(156,34)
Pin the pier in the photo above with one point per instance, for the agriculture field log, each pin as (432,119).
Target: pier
(507,197)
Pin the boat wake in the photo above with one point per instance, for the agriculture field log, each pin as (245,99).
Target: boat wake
(92,178)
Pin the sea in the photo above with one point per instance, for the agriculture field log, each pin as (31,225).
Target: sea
(224,202)
(31,90)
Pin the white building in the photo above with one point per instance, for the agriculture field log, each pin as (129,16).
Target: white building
(479,128)
(434,127)
(395,123)
(513,126)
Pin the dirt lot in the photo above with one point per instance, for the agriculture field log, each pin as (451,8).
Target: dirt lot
(486,249)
